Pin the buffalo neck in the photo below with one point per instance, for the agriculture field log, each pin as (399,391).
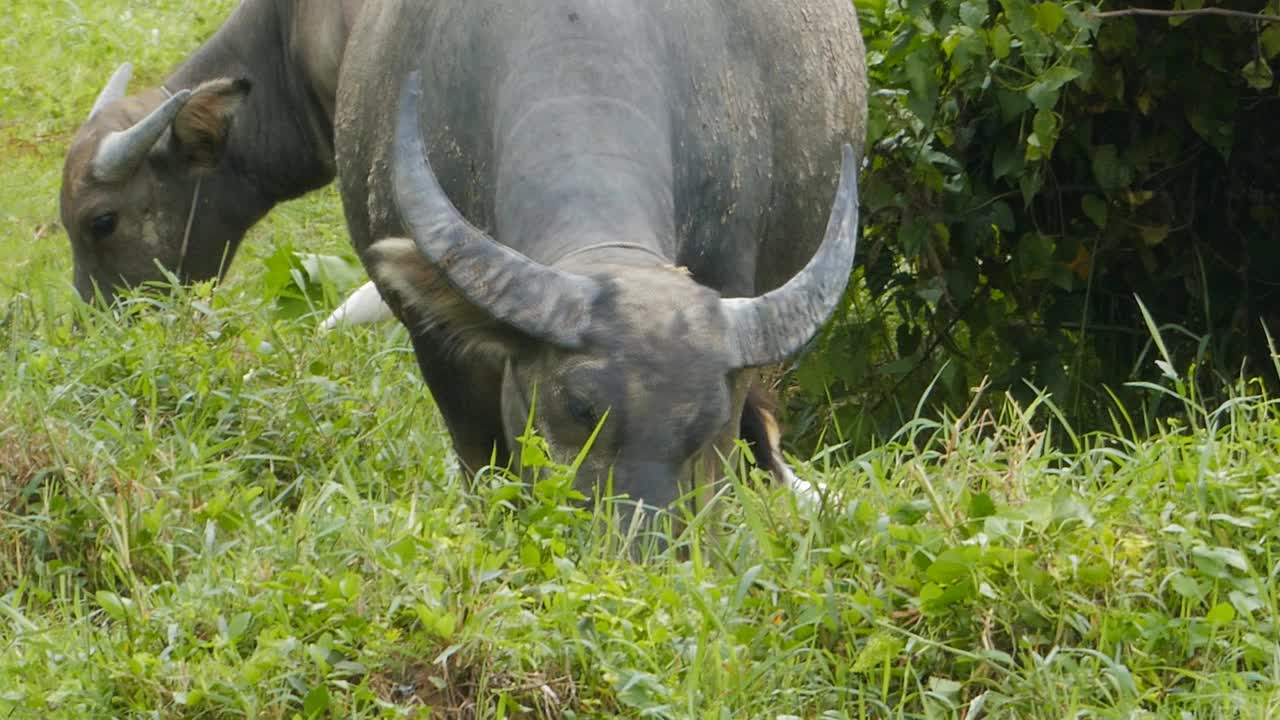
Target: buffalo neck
(282,137)
(583,138)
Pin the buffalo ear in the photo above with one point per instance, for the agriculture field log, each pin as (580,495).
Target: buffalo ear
(201,128)
(429,303)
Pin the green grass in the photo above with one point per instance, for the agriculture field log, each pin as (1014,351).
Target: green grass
(207,511)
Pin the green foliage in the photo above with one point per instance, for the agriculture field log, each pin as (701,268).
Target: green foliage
(301,282)
(198,524)
(208,510)
(1032,166)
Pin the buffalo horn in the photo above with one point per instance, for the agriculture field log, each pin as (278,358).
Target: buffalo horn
(540,301)
(115,88)
(120,152)
(774,326)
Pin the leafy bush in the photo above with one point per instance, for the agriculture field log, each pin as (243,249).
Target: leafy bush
(1033,166)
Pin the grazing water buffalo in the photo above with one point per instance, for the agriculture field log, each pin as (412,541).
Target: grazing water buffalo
(177,174)
(587,207)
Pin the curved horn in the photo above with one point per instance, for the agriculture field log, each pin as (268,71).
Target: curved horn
(538,300)
(115,88)
(770,328)
(120,152)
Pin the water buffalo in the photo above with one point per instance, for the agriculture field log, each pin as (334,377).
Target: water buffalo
(591,206)
(175,175)
(585,207)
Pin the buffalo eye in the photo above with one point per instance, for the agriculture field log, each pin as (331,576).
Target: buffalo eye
(582,411)
(103,225)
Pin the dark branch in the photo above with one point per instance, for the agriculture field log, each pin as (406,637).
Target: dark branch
(1181,13)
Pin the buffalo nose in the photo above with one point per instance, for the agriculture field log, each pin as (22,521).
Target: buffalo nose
(656,484)
(88,288)
(653,491)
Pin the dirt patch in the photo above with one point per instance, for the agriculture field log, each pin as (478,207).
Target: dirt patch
(32,468)
(21,460)
(16,143)
(449,690)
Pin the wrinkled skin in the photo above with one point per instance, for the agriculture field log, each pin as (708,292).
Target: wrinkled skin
(645,160)
(257,130)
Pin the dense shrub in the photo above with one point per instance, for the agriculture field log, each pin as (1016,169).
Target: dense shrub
(1033,167)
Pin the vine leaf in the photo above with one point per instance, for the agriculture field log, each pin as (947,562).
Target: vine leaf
(1258,74)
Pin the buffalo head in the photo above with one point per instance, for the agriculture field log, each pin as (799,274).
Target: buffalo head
(146,186)
(642,342)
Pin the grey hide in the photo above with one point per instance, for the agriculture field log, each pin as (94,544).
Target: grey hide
(591,207)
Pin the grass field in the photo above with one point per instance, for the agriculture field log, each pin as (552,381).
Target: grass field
(208,511)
